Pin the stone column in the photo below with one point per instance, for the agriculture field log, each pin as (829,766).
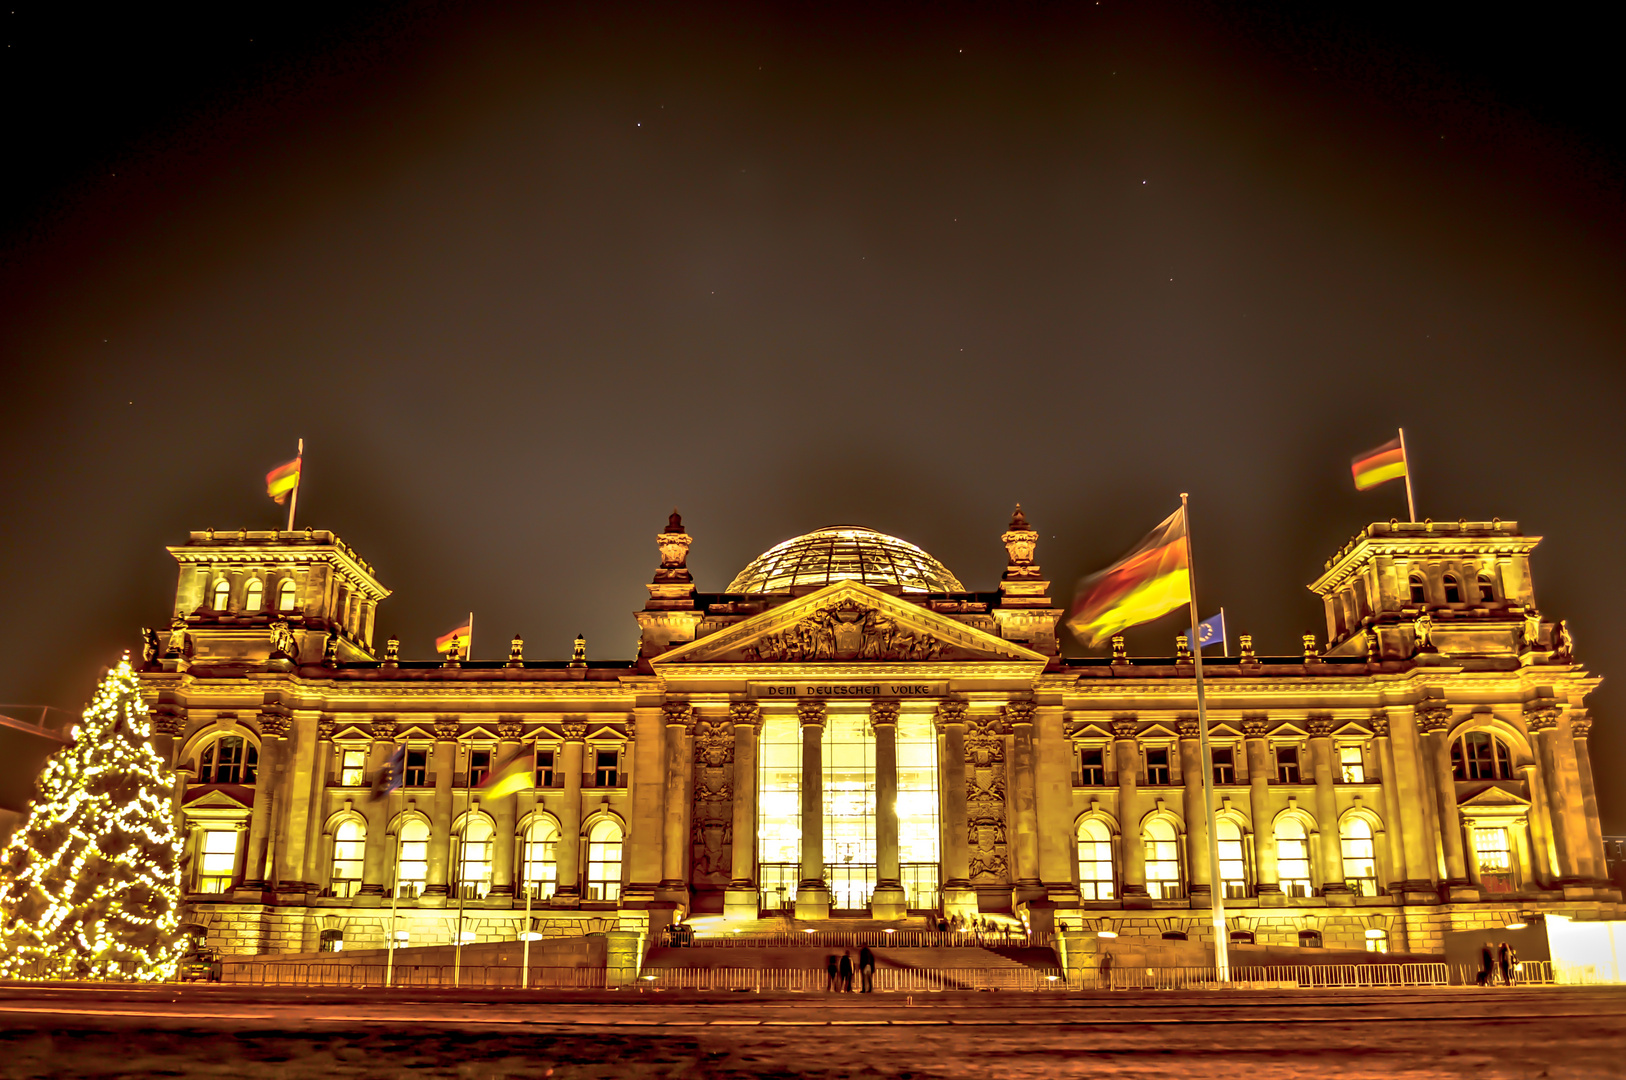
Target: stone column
(1413,794)
(1024,802)
(1126,759)
(812,892)
(374,872)
(958,896)
(1333,886)
(571,752)
(273,732)
(1198,873)
(1544,853)
(888,901)
(443,764)
(168,725)
(1580,728)
(1392,831)
(740,899)
(1433,721)
(315,871)
(1058,847)
(679,719)
(1266,881)
(502,814)
(1564,804)
(646,836)
(296,779)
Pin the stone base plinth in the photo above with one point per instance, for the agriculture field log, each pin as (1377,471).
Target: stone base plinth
(741,902)
(960,900)
(812,900)
(888,902)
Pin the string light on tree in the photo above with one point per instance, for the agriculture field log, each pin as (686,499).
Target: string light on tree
(90,887)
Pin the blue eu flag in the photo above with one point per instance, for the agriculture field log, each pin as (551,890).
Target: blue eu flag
(1209,632)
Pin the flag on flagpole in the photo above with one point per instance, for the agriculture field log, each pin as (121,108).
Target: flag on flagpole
(1153,579)
(1210,631)
(391,776)
(1379,465)
(282,480)
(515,773)
(458,635)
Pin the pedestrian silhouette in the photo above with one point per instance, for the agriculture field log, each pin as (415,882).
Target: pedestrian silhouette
(1504,960)
(866,968)
(1487,964)
(846,972)
(832,973)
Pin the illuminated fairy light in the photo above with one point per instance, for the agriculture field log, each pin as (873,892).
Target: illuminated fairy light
(91,886)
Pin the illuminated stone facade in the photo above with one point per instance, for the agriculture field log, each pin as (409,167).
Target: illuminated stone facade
(849,732)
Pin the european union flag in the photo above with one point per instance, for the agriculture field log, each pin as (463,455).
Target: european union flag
(390,777)
(1209,632)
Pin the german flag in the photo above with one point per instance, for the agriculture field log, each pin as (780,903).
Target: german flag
(515,773)
(1153,579)
(458,635)
(281,481)
(1379,465)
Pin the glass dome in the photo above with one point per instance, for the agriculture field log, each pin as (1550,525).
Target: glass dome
(845,553)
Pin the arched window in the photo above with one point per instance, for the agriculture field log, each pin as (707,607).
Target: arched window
(253,594)
(1233,868)
(1309,939)
(221,598)
(1095,861)
(1293,856)
(539,870)
(1419,593)
(1453,590)
(286,594)
(474,859)
(1360,858)
(1162,860)
(604,860)
(1487,591)
(230,759)
(1479,755)
(412,865)
(349,848)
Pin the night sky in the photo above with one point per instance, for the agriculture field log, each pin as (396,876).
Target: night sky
(525,279)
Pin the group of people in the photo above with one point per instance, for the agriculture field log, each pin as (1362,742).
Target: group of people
(1497,960)
(984,929)
(840,971)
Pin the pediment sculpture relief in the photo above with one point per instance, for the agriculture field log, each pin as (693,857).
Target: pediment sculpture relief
(845,631)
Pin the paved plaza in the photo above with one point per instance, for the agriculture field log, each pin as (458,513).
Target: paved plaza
(245,1034)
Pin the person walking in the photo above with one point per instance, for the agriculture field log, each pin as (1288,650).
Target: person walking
(1487,964)
(1106,970)
(846,972)
(1504,960)
(832,973)
(866,969)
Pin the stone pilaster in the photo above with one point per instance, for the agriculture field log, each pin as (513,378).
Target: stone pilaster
(1433,725)
(273,734)
(1267,883)
(1563,796)
(443,764)
(316,868)
(1058,847)
(1394,835)
(679,720)
(1580,728)
(1126,759)
(1198,873)
(958,896)
(888,901)
(1331,853)
(571,753)
(502,811)
(646,837)
(812,892)
(1024,803)
(740,899)
(374,872)
(1416,819)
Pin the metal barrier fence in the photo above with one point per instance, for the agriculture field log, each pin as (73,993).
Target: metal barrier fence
(470,975)
(875,939)
(887,980)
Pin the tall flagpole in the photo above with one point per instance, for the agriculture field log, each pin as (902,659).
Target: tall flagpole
(1411,507)
(294,500)
(395,897)
(1216,883)
(1225,632)
(468,653)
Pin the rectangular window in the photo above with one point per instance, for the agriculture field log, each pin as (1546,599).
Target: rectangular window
(479,766)
(779,810)
(1092,768)
(413,868)
(1287,765)
(352,768)
(544,768)
(1157,765)
(1224,764)
(607,768)
(1233,868)
(417,768)
(541,864)
(604,869)
(1293,866)
(1495,856)
(1351,769)
(918,830)
(217,860)
(1095,864)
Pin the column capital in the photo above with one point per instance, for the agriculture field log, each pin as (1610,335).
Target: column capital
(510,728)
(1125,728)
(883,714)
(1433,717)
(1254,727)
(573,731)
(1541,716)
(1580,725)
(446,729)
(169,719)
(745,714)
(811,713)
(325,727)
(950,711)
(678,714)
(1380,724)
(1189,728)
(1020,712)
(383,729)
(274,725)
(1319,727)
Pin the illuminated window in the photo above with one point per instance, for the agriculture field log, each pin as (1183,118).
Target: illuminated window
(230,759)
(1095,880)
(1224,764)
(1233,867)
(849,809)
(1479,755)
(1495,855)
(352,767)
(1360,857)
(1487,590)
(474,859)
(1453,590)
(544,768)
(222,595)
(1162,860)
(1092,768)
(1377,941)
(413,865)
(349,848)
(1157,765)
(1351,769)
(918,831)
(1293,856)
(779,809)
(607,768)
(479,766)
(1287,764)
(539,871)
(1309,939)
(417,768)
(1419,594)
(217,859)
(287,593)
(253,595)
(604,860)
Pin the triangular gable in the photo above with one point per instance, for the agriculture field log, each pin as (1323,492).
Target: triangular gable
(1353,728)
(1091,731)
(1493,796)
(1223,730)
(847,622)
(352,732)
(1159,731)
(1289,728)
(415,733)
(230,797)
(607,734)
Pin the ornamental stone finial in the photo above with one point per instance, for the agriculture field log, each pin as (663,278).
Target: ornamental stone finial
(1120,655)
(1182,649)
(674,544)
(392,652)
(1246,643)
(811,713)
(1020,540)
(1312,655)
(516,652)
(578,652)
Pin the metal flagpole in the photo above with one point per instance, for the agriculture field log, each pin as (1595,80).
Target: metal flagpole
(468,650)
(1405,459)
(525,950)
(457,950)
(293,501)
(1216,883)
(395,899)
(1225,634)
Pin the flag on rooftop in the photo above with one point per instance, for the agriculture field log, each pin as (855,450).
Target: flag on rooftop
(1210,631)
(1379,465)
(282,480)
(458,635)
(1153,579)
(515,773)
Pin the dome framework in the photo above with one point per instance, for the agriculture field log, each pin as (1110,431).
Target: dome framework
(845,553)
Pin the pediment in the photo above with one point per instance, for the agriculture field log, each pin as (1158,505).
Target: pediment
(224,797)
(1493,796)
(850,623)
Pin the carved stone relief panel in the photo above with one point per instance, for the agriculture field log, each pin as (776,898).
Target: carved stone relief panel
(711,830)
(985,799)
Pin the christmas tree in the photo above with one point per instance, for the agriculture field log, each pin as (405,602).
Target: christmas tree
(90,887)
